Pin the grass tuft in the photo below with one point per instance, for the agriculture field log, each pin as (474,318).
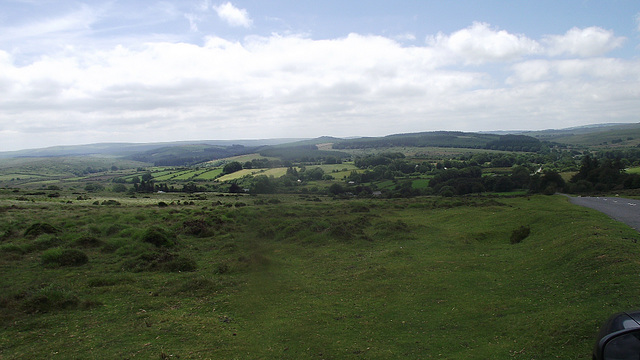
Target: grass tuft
(40,228)
(64,257)
(159,237)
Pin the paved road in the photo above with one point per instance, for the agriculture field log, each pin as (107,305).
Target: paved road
(621,209)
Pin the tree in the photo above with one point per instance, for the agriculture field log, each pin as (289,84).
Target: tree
(119,188)
(551,182)
(235,188)
(262,185)
(231,167)
(92,187)
(336,189)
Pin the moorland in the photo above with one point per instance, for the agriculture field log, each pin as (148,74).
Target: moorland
(441,245)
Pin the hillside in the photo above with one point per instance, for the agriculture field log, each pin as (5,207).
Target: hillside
(598,136)
(282,277)
(129,149)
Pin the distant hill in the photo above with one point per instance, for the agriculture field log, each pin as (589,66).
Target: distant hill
(128,149)
(597,135)
(183,155)
(602,135)
(451,139)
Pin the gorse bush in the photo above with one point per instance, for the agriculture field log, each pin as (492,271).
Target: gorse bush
(64,257)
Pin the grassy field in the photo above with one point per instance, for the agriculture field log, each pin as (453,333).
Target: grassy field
(335,170)
(432,153)
(284,277)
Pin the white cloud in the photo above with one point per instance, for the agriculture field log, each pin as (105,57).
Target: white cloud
(193,21)
(591,70)
(591,41)
(80,20)
(479,44)
(232,15)
(278,86)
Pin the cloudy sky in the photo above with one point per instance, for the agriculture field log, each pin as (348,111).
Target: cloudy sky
(78,72)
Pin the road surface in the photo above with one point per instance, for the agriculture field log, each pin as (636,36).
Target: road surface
(621,209)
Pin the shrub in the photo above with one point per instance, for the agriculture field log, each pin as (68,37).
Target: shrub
(520,234)
(46,241)
(49,298)
(66,257)
(197,227)
(39,229)
(158,237)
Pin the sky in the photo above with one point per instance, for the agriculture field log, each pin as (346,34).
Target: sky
(82,72)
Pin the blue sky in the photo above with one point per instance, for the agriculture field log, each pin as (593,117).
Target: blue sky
(74,72)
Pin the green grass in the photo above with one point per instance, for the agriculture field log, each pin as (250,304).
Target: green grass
(174,175)
(209,174)
(420,183)
(296,279)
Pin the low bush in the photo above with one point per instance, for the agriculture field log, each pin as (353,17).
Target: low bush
(197,227)
(520,234)
(89,241)
(46,241)
(159,237)
(64,257)
(40,228)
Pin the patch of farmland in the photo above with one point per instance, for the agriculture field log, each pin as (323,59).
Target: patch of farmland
(187,175)
(239,174)
(173,176)
(210,174)
(420,183)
